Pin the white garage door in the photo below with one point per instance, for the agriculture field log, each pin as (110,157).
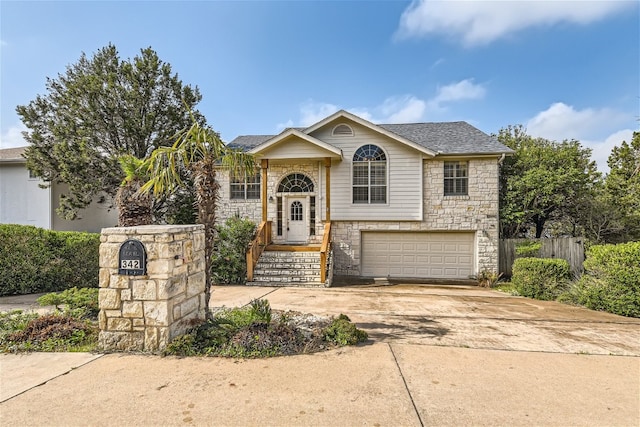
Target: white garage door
(417,254)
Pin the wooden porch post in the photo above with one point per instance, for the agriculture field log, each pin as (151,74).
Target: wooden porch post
(327,187)
(265,166)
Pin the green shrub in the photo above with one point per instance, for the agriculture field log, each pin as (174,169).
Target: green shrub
(540,278)
(80,303)
(342,332)
(611,281)
(36,260)
(528,249)
(229,265)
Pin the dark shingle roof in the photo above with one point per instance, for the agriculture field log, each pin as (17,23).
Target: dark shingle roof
(248,142)
(448,137)
(443,138)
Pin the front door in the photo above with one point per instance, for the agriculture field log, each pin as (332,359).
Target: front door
(297,230)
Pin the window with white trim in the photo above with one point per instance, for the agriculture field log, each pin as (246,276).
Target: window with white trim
(369,175)
(456,179)
(245,187)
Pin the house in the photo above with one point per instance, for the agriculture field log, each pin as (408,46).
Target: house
(413,200)
(23,201)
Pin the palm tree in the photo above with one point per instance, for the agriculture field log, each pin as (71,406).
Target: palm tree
(134,207)
(200,151)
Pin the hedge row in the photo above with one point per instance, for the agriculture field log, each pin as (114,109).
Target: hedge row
(34,260)
(611,281)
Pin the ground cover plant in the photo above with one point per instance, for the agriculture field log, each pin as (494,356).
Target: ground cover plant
(258,331)
(20,331)
(246,332)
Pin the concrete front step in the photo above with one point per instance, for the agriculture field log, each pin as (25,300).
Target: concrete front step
(287,268)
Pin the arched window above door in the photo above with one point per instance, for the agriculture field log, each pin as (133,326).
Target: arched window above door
(296,183)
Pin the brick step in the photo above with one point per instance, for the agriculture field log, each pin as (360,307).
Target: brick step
(282,278)
(277,265)
(287,268)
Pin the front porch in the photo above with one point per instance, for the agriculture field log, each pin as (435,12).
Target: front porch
(270,264)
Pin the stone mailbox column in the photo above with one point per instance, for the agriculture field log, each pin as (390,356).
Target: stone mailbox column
(144,312)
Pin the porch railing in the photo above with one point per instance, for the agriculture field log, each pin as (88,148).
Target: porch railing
(257,245)
(324,249)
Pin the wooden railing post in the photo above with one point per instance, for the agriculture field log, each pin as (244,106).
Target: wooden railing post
(326,245)
(257,245)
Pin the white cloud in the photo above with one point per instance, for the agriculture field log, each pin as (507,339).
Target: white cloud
(282,126)
(598,129)
(460,91)
(406,108)
(13,137)
(561,121)
(600,150)
(479,22)
(312,112)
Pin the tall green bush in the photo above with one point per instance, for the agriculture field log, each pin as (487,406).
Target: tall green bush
(611,281)
(540,278)
(36,260)
(229,262)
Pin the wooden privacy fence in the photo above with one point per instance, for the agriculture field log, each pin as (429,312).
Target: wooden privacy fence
(569,248)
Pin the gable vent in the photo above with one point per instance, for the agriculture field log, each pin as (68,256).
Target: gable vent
(342,130)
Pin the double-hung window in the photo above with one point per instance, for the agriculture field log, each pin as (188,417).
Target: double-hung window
(369,175)
(456,179)
(245,187)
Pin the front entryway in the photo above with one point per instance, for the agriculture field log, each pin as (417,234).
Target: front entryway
(297,229)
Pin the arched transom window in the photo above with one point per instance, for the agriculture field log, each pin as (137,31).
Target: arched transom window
(296,183)
(369,175)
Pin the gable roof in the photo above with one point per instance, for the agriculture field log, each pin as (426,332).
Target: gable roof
(293,132)
(12,155)
(444,138)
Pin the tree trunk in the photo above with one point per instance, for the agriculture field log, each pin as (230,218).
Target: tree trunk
(133,208)
(207,193)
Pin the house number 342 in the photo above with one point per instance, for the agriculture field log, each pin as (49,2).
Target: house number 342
(130,264)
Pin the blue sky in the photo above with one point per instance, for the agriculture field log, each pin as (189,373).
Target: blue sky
(564,69)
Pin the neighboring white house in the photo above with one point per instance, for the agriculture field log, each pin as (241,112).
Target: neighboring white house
(23,201)
(404,200)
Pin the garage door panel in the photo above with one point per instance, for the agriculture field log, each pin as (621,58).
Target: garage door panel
(447,255)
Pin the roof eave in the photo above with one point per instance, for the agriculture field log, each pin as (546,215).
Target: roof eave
(372,126)
(293,132)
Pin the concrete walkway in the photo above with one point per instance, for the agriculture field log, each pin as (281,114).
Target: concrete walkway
(437,356)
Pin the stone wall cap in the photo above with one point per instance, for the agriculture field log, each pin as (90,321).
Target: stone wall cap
(153,229)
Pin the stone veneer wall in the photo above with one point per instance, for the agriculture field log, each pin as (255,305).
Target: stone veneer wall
(477,212)
(252,209)
(144,313)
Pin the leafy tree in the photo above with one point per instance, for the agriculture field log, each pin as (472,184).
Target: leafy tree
(100,109)
(199,151)
(541,181)
(623,186)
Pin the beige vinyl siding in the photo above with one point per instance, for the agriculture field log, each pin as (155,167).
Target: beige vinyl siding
(404,178)
(294,148)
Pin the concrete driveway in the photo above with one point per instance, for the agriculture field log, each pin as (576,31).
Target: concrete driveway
(437,357)
(458,316)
